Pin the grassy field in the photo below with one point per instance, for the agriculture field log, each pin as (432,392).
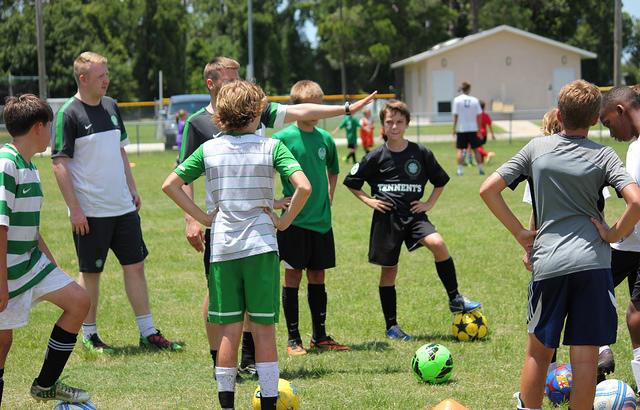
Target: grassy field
(376,374)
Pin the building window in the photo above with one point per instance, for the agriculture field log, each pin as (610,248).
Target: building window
(563,59)
(507,61)
(443,62)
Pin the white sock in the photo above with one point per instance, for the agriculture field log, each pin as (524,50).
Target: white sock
(602,348)
(226,377)
(481,167)
(459,168)
(145,325)
(635,367)
(520,405)
(268,375)
(89,329)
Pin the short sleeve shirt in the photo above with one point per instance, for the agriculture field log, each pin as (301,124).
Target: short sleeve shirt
(239,172)
(316,152)
(350,125)
(398,177)
(91,137)
(567,175)
(467,108)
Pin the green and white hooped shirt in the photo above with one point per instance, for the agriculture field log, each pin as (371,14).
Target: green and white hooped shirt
(20,203)
(239,171)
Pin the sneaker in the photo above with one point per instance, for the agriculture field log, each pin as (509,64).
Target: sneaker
(59,391)
(295,348)
(327,343)
(96,345)
(247,368)
(606,364)
(394,332)
(461,304)
(459,172)
(157,340)
(481,171)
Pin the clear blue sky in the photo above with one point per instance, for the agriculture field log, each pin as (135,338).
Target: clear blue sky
(632,7)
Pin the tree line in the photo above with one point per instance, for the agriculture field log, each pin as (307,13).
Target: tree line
(141,37)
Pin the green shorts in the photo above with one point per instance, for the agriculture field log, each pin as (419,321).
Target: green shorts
(250,284)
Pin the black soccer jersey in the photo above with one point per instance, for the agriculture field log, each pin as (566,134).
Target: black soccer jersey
(398,177)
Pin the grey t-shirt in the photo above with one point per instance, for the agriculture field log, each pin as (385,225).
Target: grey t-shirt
(567,175)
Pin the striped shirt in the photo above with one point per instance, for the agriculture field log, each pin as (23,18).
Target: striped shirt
(240,175)
(20,203)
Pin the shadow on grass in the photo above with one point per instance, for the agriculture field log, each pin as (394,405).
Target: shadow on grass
(302,373)
(375,346)
(434,337)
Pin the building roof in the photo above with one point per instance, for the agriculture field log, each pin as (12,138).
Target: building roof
(459,42)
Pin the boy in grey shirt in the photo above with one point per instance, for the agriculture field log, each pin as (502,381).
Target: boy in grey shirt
(569,249)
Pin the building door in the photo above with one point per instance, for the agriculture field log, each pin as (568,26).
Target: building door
(561,77)
(444,90)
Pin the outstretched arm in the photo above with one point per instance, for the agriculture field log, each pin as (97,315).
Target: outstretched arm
(307,111)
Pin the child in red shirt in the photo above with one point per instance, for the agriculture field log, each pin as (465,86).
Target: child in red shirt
(485,122)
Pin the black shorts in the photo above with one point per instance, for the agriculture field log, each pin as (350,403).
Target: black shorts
(306,249)
(388,231)
(122,234)
(464,139)
(626,265)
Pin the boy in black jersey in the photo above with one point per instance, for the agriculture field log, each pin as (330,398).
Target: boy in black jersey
(397,172)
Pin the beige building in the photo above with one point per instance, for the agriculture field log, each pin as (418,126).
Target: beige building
(504,65)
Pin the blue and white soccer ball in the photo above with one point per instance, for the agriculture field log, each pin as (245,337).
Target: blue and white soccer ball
(63,405)
(614,395)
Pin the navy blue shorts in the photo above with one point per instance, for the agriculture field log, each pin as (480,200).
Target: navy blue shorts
(585,300)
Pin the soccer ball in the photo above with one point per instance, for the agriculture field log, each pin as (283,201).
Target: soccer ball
(558,384)
(63,405)
(288,398)
(432,363)
(469,326)
(614,395)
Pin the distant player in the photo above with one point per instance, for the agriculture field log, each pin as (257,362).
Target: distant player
(28,272)
(485,126)
(398,172)
(239,168)
(308,243)
(367,127)
(466,126)
(572,286)
(350,126)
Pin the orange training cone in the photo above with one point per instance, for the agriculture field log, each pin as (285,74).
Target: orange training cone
(449,404)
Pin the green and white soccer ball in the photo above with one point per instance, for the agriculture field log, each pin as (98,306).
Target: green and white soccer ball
(63,405)
(432,363)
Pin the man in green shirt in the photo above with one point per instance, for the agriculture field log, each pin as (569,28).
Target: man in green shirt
(350,125)
(308,242)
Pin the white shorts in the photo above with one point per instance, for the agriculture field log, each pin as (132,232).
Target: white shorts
(17,312)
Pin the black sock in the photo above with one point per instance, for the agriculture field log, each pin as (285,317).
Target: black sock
(268,403)
(388,302)
(447,274)
(214,357)
(227,399)
(248,349)
(317,297)
(291,315)
(61,344)
(1,384)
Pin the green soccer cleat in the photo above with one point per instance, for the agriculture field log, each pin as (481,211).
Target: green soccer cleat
(158,341)
(96,345)
(59,391)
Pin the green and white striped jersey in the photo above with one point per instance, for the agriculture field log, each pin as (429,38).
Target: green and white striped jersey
(20,203)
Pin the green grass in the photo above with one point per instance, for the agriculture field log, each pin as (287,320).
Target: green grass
(376,374)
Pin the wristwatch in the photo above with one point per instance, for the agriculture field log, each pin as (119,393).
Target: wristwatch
(346,108)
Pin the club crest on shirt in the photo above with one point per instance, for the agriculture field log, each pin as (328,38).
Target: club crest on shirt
(412,167)
(354,169)
(114,120)
(322,153)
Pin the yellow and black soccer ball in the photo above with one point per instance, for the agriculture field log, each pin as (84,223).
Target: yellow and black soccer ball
(470,326)
(288,397)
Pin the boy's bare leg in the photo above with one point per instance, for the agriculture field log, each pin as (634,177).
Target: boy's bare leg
(6,338)
(388,275)
(534,372)
(213,333)
(91,283)
(435,243)
(135,284)
(265,338)
(584,366)
(74,302)
(229,343)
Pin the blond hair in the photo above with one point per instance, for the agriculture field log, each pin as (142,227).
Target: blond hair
(238,103)
(579,104)
(550,123)
(83,62)
(304,91)
(217,64)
